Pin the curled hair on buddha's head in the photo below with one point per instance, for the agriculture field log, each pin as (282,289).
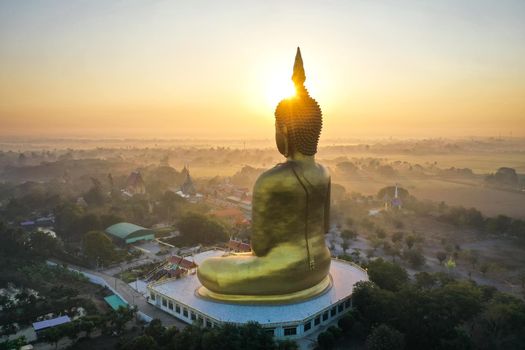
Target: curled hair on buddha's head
(302,119)
(300,115)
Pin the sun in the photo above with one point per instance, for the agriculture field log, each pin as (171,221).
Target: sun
(278,87)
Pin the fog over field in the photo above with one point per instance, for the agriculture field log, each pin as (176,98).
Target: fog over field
(451,170)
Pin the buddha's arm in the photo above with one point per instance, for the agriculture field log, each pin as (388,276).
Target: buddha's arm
(260,238)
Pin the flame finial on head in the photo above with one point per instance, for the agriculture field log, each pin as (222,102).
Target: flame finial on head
(300,115)
(298,76)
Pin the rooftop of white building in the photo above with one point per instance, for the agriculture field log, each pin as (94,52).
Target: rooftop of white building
(344,276)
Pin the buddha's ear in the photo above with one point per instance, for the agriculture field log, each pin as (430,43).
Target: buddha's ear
(281,138)
(286,141)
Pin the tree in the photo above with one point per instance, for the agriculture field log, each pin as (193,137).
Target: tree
(425,280)
(349,234)
(346,322)
(472,257)
(502,324)
(504,177)
(142,342)
(97,245)
(326,340)
(43,244)
(52,335)
(387,275)
(397,236)
(414,258)
(410,240)
(171,205)
(484,268)
(95,196)
(461,299)
(155,329)
(70,330)
(67,217)
(13,243)
(86,326)
(13,344)
(356,254)
(107,220)
(336,331)
(380,233)
(197,228)
(118,318)
(384,337)
(498,225)
(345,245)
(367,223)
(376,242)
(287,345)
(441,256)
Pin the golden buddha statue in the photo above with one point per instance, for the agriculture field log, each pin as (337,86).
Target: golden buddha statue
(291,204)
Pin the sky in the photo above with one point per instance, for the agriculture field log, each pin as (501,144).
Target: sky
(205,69)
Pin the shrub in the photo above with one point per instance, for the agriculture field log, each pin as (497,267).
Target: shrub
(326,340)
(384,337)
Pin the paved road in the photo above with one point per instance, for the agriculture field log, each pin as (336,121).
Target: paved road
(126,266)
(134,298)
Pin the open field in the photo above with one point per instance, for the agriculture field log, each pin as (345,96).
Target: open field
(482,162)
(489,201)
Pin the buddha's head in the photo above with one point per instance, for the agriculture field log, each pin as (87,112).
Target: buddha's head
(298,120)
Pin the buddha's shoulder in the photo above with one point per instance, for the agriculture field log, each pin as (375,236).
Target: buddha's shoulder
(283,175)
(323,171)
(279,176)
(281,171)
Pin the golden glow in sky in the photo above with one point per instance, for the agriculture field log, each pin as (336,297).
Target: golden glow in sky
(218,69)
(277,88)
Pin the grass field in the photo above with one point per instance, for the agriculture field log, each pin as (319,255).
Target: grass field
(489,201)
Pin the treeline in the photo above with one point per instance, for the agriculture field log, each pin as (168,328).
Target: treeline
(196,229)
(227,337)
(473,218)
(19,248)
(72,222)
(112,322)
(77,212)
(433,311)
(40,290)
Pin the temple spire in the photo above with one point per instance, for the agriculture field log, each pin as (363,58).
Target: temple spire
(298,76)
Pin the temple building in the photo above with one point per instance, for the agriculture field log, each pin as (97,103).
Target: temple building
(173,267)
(135,184)
(394,202)
(238,246)
(187,188)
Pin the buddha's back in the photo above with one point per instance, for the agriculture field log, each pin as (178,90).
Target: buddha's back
(290,215)
(291,205)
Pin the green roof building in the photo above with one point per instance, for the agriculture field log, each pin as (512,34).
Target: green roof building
(115,301)
(129,233)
